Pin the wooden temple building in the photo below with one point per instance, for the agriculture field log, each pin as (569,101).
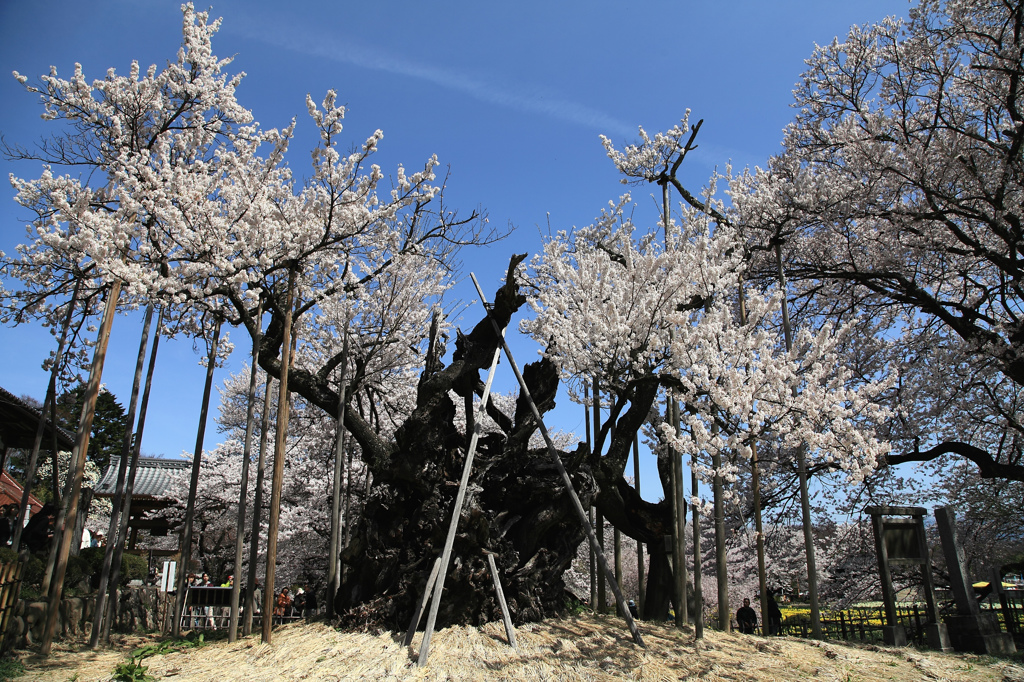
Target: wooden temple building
(153,480)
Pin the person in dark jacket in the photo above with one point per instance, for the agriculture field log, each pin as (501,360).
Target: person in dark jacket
(774,619)
(39,530)
(746,618)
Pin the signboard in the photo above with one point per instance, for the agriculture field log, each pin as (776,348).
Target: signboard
(167,579)
(902,541)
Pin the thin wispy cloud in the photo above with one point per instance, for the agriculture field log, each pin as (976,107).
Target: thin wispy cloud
(517,99)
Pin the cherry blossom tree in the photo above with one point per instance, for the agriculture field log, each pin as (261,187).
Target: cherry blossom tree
(612,301)
(897,200)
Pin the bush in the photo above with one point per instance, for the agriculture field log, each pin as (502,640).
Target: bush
(33,574)
(133,567)
(76,570)
(8,555)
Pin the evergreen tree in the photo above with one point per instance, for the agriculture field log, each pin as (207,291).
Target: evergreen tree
(108,425)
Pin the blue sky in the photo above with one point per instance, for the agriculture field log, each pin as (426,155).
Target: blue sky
(512,96)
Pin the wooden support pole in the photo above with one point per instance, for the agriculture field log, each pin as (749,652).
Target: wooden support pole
(121,534)
(122,475)
(279,454)
(453,525)
(721,569)
(641,599)
(185,549)
(428,590)
(49,402)
(257,511)
(805,499)
(577,505)
(243,483)
(678,525)
(698,588)
(509,630)
(755,483)
(56,587)
(602,596)
(334,547)
(592,511)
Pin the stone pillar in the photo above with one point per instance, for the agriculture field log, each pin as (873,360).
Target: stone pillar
(969,630)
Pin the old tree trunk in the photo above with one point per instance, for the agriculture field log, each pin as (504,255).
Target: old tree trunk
(515,507)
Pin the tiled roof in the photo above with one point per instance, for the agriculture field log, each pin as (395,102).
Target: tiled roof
(18,424)
(11,492)
(153,478)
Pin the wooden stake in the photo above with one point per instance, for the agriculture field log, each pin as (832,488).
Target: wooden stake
(122,474)
(593,512)
(509,630)
(257,510)
(119,538)
(577,505)
(641,598)
(801,454)
(78,466)
(428,590)
(453,525)
(698,572)
(48,402)
(755,483)
(185,550)
(243,492)
(333,567)
(602,595)
(280,442)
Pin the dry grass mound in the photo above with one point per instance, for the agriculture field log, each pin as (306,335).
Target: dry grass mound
(584,648)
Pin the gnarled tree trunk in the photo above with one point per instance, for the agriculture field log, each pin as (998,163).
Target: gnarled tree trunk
(515,507)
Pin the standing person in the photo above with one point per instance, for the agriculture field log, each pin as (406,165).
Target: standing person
(311,605)
(6,525)
(746,618)
(283,606)
(39,530)
(257,603)
(211,621)
(299,604)
(774,618)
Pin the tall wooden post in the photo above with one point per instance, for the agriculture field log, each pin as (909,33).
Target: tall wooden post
(678,525)
(592,511)
(122,474)
(257,510)
(721,569)
(755,483)
(602,595)
(120,537)
(641,600)
(243,484)
(801,453)
(185,550)
(333,563)
(279,455)
(698,588)
(566,481)
(48,403)
(453,525)
(675,495)
(78,466)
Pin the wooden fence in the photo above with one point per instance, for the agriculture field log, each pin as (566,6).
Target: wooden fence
(865,623)
(10,589)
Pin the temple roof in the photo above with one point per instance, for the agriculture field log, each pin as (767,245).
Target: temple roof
(153,479)
(18,424)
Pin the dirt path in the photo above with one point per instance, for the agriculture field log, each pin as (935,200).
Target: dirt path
(585,648)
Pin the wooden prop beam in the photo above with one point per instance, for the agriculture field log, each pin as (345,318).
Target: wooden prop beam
(561,470)
(453,525)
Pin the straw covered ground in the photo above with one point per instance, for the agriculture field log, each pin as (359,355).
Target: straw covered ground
(583,648)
